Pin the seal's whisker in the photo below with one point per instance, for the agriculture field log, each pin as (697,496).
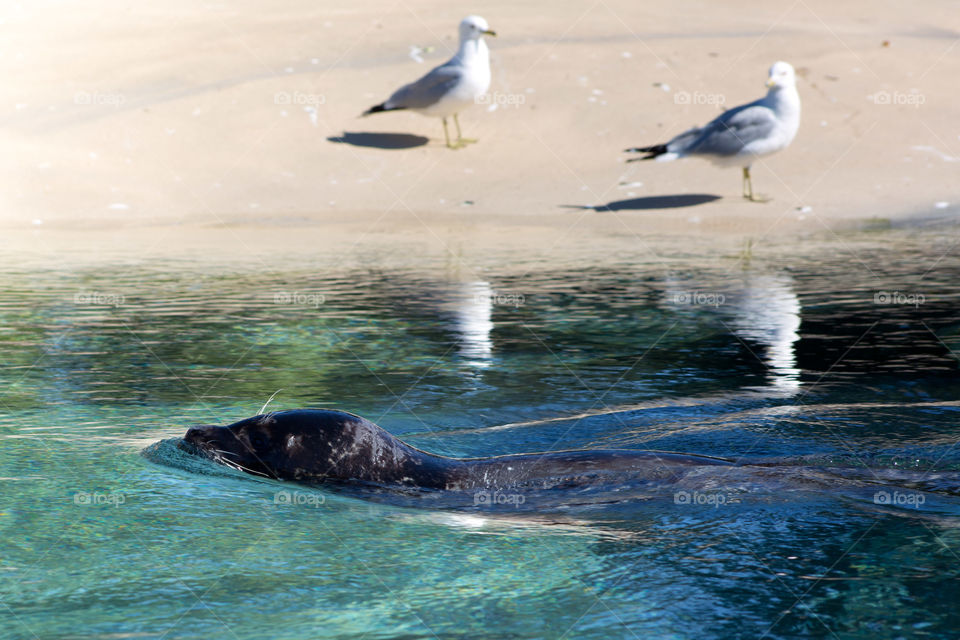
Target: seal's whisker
(270,399)
(239,467)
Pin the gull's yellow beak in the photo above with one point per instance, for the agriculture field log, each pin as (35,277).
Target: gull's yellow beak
(489,32)
(771,83)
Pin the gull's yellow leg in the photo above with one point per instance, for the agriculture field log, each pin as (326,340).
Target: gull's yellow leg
(446,134)
(748,188)
(461,141)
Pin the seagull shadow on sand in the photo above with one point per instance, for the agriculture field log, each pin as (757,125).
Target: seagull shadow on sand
(651,202)
(380,140)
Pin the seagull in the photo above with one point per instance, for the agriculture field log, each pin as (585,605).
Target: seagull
(742,134)
(454,85)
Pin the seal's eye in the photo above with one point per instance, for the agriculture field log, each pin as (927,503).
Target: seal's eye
(259,441)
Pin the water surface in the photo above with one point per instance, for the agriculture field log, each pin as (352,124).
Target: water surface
(842,354)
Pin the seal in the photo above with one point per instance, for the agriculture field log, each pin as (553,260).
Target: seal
(323,446)
(349,454)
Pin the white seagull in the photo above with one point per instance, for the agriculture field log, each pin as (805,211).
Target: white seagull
(741,135)
(451,87)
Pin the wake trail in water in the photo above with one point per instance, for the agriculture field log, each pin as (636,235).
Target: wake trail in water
(899,491)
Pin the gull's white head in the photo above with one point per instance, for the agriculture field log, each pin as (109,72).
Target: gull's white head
(474,28)
(781,76)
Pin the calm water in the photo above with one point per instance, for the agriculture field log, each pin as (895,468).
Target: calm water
(845,356)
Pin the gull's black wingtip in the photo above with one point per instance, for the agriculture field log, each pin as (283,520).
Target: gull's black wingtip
(374,109)
(652,152)
(381,107)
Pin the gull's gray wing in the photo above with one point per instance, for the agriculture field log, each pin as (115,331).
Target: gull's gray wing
(729,133)
(427,90)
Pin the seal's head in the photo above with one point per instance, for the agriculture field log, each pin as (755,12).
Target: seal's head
(290,445)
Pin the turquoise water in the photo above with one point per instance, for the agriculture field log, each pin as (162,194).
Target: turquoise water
(843,355)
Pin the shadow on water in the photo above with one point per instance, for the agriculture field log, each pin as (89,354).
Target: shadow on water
(380,140)
(678,201)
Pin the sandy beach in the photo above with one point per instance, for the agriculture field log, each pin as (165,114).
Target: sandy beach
(234,128)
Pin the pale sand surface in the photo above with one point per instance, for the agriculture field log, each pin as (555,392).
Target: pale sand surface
(152,129)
